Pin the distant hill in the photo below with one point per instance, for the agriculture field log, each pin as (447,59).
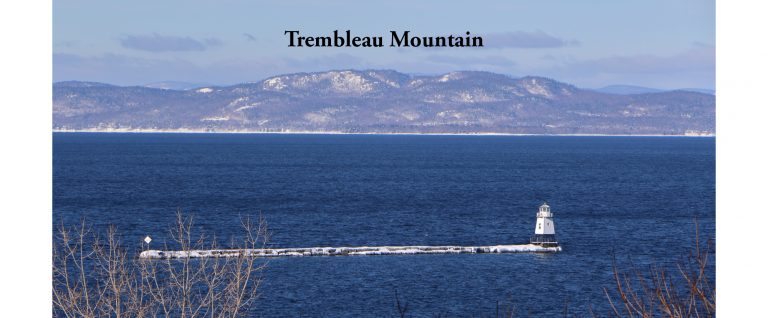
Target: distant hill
(630,89)
(383,101)
(699,90)
(627,89)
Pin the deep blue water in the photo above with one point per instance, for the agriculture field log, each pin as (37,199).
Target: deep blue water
(636,197)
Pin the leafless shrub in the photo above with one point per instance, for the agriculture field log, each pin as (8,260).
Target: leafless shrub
(684,292)
(96,277)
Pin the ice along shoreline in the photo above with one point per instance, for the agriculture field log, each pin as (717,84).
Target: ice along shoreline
(350,251)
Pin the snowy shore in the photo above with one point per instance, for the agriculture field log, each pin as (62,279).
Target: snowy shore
(351,251)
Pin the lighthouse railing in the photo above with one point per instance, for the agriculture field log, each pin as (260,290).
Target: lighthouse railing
(543,238)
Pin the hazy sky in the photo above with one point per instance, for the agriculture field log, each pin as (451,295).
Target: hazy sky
(661,44)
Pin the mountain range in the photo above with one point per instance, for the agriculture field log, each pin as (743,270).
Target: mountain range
(383,101)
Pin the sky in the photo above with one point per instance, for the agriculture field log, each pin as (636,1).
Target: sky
(591,44)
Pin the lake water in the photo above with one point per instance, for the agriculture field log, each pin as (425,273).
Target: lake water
(636,197)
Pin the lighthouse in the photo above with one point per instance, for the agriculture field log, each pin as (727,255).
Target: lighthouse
(544,234)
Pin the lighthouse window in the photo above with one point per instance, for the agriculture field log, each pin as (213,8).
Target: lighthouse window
(539,225)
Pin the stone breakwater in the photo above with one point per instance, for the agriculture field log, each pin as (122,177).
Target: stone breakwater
(351,251)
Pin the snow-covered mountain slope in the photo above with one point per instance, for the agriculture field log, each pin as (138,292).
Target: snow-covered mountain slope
(383,101)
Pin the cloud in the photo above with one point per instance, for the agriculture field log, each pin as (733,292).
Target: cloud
(66,44)
(693,67)
(119,69)
(697,58)
(212,42)
(324,62)
(250,37)
(462,62)
(523,39)
(164,43)
(128,70)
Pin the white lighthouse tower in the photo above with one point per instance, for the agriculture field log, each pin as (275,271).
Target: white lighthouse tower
(545,228)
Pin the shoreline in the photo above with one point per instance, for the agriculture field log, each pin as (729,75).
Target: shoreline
(193,131)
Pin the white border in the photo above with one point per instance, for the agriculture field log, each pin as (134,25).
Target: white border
(742,69)
(25,140)
(742,76)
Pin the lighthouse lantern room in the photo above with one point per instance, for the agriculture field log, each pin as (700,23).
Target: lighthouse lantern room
(545,228)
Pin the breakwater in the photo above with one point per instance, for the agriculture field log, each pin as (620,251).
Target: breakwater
(351,251)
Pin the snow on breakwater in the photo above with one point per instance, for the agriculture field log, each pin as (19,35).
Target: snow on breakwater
(351,251)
